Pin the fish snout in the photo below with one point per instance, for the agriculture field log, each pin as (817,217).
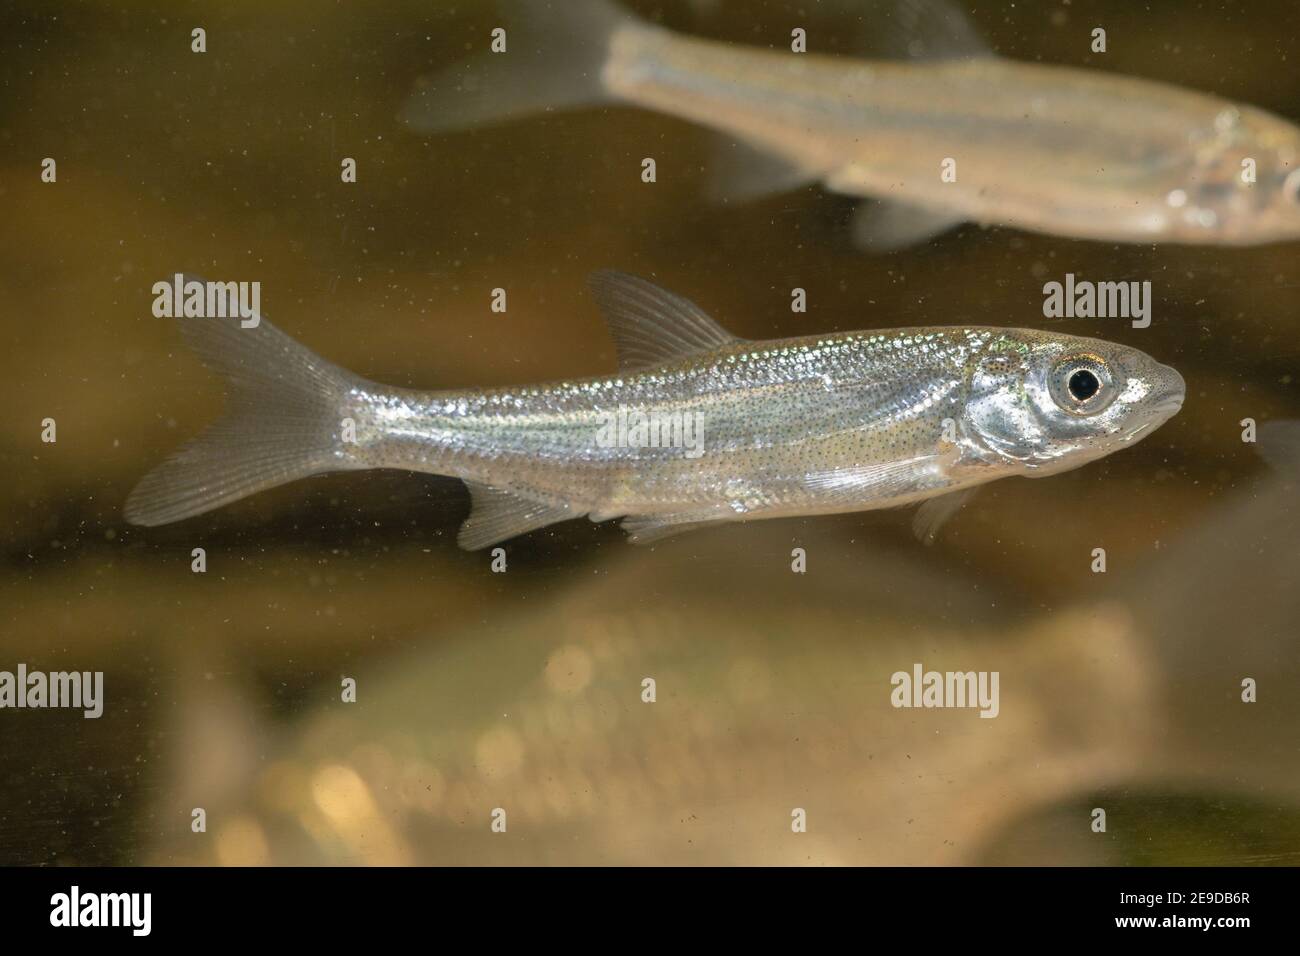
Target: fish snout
(1167,393)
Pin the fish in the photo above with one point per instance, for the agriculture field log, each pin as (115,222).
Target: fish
(954,135)
(748,724)
(698,427)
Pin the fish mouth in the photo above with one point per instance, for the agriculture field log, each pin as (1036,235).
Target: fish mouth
(1169,399)
(1168,408)
(1164,405)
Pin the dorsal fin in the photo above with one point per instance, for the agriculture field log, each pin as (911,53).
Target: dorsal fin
(650,325)
(880,29)
(905,29)
(936,30)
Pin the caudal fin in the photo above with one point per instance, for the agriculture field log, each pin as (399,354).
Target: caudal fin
(553,57)
(283,422)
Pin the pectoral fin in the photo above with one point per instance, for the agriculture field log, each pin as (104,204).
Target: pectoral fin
(860,485)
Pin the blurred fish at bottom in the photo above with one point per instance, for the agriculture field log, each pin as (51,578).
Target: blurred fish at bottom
(542,718)
(1221,608)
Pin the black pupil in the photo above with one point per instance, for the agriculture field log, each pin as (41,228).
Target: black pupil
(1083,385)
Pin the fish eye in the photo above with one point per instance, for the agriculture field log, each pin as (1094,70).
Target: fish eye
(1081,384)
(1291,186)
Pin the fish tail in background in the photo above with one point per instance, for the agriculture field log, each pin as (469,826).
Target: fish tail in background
(283,422)
(554,55)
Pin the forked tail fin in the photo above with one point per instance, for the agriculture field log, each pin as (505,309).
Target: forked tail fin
(554,53)
(283,421)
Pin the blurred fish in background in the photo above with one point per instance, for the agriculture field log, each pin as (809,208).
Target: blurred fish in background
(1042,147)
(753,718)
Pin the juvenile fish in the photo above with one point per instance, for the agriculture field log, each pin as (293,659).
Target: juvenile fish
(800,426)
(1038,147)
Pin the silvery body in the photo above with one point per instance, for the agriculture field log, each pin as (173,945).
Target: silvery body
(1072,152)
(802,426)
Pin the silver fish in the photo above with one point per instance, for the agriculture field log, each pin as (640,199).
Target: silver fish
(1038,147)
(699,426)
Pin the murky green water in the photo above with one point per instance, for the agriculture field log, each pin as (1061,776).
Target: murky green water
(523,691)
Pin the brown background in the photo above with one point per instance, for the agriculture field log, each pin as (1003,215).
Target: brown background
(522,690)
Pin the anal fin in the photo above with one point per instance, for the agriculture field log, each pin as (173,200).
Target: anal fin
(497,515)
(888,225)
(739,173)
